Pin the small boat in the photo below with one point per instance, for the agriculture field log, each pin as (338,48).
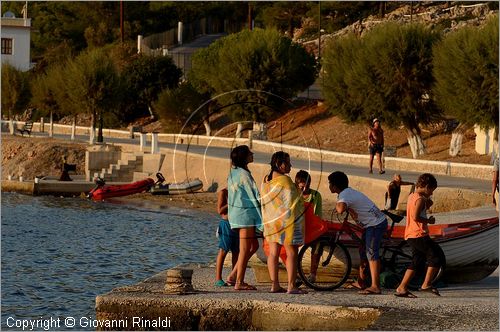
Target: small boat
(471,248)
(175,188)
(102,191)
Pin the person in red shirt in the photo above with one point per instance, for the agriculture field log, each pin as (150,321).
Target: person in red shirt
(417,236)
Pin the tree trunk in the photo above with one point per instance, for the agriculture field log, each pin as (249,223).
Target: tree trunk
(207,127)
(415,141)
(457,138)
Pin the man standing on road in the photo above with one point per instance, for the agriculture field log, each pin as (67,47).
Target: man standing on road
(376,144)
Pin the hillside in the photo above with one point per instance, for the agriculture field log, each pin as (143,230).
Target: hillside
(312,126)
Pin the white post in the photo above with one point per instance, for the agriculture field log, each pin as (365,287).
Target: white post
(154,143)
(51,126)
(142,141)
(11,126)
(139,44)
(91,134)
(42,125)
(73,130)
(179,33)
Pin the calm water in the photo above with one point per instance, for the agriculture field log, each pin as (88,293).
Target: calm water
(59,253)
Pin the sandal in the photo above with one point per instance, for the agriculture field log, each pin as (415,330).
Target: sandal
(431,290)
(297,291)
(279,290)
(369,292)
(406,294)
(244,286)
(220,283)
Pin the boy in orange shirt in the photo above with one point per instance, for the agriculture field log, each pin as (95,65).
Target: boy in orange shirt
(417,236)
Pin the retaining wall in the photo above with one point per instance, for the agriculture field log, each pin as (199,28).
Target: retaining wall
(482,172)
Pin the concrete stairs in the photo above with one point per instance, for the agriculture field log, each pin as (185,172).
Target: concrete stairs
(123,170)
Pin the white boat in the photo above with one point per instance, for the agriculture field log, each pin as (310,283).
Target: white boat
(188,186)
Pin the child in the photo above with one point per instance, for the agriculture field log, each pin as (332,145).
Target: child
(313,200)
(417,236)
(228,240)
(374,222)
(303,183)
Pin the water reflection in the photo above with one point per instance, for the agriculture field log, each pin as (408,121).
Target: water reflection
(59,253)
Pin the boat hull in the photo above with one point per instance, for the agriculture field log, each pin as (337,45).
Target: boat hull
(177,188)
(105,192)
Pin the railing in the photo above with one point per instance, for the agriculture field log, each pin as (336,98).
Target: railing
(437,167)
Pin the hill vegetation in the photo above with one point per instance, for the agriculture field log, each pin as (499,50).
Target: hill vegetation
(402,73)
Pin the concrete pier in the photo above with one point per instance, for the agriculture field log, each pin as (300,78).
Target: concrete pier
(472,306)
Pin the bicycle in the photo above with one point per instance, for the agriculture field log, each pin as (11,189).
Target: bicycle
(335,264)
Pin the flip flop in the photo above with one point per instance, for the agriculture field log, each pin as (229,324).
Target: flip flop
(369,292)
(279,290)
(297,291)
(244,287)
(406,294)
(431,290)
(354,286)
(220,283)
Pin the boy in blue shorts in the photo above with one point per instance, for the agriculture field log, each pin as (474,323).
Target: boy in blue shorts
(373,221)
(228,241)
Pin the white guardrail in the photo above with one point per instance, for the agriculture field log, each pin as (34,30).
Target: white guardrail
(483,172)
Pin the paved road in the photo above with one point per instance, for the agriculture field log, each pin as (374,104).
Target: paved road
(328,167)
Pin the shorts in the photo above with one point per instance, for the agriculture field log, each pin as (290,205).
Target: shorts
(424,249)
(228,238)
(372,237)
(376,148)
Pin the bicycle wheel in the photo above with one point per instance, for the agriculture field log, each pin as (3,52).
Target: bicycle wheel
(333,261)
(401,258)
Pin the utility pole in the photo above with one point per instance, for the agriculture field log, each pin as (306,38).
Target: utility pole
(121,21)
(319,30)
(249,16)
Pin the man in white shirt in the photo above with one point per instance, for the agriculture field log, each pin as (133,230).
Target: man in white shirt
(373,221)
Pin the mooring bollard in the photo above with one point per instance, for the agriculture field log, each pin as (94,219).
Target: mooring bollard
(179,281)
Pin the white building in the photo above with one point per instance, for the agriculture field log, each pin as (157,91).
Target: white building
(16,41)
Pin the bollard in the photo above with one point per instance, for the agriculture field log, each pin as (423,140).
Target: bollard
(42,125)
(154,143)
(142,141)
(179,281)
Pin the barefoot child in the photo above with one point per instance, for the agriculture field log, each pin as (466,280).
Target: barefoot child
(228,240)
(417,236)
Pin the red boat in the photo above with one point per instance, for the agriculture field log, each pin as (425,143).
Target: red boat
(103,191)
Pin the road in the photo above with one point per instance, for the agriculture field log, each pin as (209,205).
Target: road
(328,167)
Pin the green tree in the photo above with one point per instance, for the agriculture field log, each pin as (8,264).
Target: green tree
(176,107)
(259,68)
(15,90)
(145,77)
(390,78)
(93,84)
(466,71)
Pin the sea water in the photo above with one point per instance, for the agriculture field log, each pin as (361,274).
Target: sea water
(59,253)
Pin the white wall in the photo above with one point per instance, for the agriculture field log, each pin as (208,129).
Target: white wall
(20,34)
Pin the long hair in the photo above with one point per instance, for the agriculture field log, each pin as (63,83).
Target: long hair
(239,156)
(277,160)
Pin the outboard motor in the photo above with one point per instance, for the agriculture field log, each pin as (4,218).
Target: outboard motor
(160,178)
(99,182)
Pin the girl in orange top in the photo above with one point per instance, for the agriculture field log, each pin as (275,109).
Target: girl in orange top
(417,236)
